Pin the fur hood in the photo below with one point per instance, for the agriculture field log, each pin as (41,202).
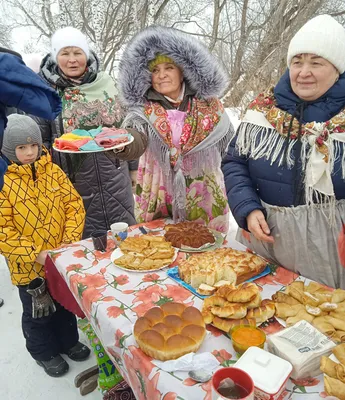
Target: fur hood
(200,69)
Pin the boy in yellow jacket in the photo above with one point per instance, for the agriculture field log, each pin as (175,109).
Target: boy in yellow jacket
(39,211)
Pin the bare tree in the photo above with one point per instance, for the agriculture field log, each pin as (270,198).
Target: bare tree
(250,37)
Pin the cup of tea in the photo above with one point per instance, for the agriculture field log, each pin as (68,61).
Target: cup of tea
(99,240)
(232,383)
(119,231)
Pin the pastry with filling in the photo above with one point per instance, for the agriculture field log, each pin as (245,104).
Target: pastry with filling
(225,264)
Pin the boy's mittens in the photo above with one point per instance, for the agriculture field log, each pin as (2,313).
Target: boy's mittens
(80,378)
(42,303)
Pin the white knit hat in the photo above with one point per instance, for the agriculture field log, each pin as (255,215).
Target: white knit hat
(323,36)
(67,37)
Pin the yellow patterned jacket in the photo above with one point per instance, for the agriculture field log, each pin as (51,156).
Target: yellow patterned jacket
(39,210)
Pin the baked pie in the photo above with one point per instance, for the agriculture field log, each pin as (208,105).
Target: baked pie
(145,253)
(188,234)
(232,266)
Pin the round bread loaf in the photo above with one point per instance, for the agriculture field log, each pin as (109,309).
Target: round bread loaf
(188,234)
(170,331)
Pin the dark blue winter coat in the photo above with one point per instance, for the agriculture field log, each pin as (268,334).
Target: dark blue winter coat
(20,87)
(247,180)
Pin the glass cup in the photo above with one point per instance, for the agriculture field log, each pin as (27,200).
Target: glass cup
(241,379)
(119,231)
(99,240)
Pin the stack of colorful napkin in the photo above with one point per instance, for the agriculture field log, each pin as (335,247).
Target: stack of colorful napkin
(92,140)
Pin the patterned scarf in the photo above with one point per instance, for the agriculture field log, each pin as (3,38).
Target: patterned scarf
(202,117)
(264,132)
(206,133)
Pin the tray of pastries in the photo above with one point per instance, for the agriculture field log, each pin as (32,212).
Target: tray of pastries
(192,237)
(144,253)
(333,368)
(203,273)
(315,303)
(170,331)
(233,305)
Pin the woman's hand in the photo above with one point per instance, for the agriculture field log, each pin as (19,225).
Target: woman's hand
(257,225)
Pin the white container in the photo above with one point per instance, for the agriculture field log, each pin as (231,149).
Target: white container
(269,372)
(119,231)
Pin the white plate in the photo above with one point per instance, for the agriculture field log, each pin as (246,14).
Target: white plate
(118,146)
(117,253)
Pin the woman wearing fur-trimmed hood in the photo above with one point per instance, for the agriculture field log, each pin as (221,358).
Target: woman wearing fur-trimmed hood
(172,83)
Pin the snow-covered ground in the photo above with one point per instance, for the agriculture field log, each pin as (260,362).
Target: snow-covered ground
(20,377)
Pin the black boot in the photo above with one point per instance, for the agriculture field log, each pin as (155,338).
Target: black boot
(55,367)
(1,302)
(79,352)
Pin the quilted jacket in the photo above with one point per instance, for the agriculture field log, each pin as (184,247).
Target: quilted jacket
(249,181)
(102,179)
(39,210)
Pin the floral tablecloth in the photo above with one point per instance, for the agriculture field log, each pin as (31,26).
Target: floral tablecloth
(113,299)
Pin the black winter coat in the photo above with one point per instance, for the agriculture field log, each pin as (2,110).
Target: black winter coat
(101,179)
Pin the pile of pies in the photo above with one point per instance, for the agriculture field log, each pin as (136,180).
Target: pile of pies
(237,305)
(335,373)
(315,303)
(145,253)
(188,234)
(170,331)
(207,271)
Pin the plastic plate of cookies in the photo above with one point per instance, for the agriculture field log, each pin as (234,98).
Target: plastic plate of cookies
(174,275)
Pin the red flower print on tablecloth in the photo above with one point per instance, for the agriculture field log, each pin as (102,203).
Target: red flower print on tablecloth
(80,253)
(105,255)
(121,279)
(128,291)
(176,293)
(155,295)
(278,275)
(180,257)
(141,309)
(75,281)
(306,382)
(89,296)
(222,355)
(118,335)
(74,267)
(114,311)
(54,256)
(207,387)
(150,278)
(108,298)
(170,396)
(139,368)
(189,382)
(214,331)
(96,280)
